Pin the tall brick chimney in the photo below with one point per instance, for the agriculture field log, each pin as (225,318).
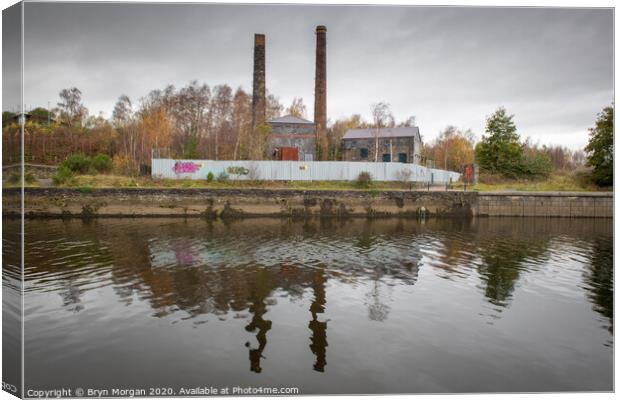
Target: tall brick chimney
(320,91)
(258,89)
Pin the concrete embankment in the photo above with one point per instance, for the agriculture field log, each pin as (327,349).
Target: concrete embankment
(545,204)
(224,203)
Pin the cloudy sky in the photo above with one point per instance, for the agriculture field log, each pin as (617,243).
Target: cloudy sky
(552,68)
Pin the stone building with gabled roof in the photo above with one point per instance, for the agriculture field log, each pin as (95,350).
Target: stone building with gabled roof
(292,138)
(402,144)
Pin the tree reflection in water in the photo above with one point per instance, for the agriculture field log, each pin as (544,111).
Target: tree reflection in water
(502,264)
(600,277)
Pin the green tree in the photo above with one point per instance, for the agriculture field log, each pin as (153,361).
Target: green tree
(42,114)
(8,118)
(600,148)
(500,151)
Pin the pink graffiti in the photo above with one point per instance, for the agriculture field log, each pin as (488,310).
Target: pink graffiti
(185,167)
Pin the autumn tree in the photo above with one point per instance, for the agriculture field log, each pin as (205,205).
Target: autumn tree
(297,108)
(155,129)
(453,149)
(336,132)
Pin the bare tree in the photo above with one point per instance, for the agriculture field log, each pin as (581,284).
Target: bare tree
(242,121)
(126,126)
(70,106)
(273,106)
(122,110)
(409,122)
(222,110)
(192,116)
(578,158)
(381,116)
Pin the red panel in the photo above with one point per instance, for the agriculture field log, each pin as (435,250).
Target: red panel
(289,154)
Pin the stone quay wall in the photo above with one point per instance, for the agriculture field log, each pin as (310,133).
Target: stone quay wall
(223,203)
(546,204)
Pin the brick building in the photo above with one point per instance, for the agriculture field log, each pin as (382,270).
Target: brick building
(402,144)
(292,138)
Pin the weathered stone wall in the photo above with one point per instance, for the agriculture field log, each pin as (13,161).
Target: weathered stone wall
(546,204)
(214,203)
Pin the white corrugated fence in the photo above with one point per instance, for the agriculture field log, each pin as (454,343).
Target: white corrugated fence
(299,170)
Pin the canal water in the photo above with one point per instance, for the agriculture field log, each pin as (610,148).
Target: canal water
(325,305)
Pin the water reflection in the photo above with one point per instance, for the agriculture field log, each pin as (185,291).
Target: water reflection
(502,263)
(201,268)
(600,277)
(195,272)
(258,293)
(318,340)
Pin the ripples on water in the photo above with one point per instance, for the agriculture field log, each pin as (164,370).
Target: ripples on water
(330,306)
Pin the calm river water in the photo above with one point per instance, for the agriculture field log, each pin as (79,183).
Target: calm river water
(327,306)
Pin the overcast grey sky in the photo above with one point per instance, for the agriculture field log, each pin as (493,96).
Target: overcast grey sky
(552,68)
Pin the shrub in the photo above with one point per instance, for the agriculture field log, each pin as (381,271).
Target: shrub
(29,177)
(222,177)
(121,165)
(364,179)
(210,177)
(535,163)
(78,162)
(14,178)
(63,175)
(102,163)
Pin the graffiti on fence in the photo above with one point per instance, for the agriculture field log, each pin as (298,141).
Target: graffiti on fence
(186,167)
(238,170)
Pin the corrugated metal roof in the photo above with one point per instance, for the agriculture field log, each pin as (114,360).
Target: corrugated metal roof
(290,119)
(369,133)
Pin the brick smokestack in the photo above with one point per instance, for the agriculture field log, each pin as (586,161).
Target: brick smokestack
(258,89)
(320,91)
